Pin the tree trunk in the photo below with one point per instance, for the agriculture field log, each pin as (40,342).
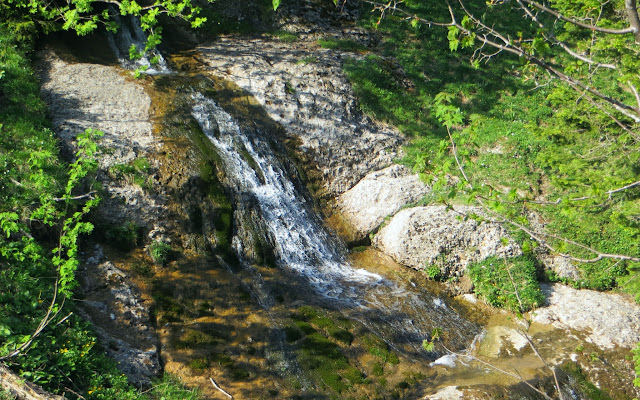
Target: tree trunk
(634,20)
(22,389)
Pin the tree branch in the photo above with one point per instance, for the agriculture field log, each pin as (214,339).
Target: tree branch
(573,21)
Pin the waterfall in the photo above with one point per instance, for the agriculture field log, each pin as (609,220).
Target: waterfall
(131,34)
(402,315)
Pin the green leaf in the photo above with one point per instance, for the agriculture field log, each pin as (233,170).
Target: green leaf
(276,4)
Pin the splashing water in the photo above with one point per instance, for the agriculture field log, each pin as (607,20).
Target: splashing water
(402,315)
(131,34)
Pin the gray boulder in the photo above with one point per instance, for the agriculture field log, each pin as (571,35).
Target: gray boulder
(421,236)
(379,195)
(608,319)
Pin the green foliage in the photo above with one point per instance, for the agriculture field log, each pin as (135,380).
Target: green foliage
(377,347)
(285,36)
(516,142)
(159,252)
(26,17)
(170,388)
(135,172)
(588,389)
(430,343)
(125,237)
(41,222)
(636,360)
(512,284)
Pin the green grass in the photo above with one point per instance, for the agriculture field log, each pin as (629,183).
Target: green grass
(512,284)
(159,252)
(341,44)
(522,142)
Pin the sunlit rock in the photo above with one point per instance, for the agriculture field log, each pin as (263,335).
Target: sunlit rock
(378,195)
(451,239)
(608,319)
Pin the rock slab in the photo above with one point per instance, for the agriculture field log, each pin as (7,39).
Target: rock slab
(379,195)
(608,319)
(450,238)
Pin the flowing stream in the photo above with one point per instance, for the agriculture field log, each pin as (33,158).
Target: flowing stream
(403,316)
(270,204)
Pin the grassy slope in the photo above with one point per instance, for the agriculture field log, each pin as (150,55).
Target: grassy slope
(535,143)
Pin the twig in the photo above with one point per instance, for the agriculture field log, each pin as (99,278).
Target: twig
(215,385)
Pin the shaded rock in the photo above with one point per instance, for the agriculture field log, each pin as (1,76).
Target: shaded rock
(304,88)
(114,104)
(563,267)
(608,319)
(379,195)
(421,236)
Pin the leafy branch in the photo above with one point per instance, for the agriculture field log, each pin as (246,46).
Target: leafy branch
(466,29)
(19,245)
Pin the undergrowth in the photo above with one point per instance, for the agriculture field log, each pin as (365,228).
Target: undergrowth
(517,142)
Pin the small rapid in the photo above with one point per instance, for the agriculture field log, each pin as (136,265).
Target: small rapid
(403,315)
(130,39)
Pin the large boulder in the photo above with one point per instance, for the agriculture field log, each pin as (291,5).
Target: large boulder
(450,238)
(379,195)
(608,319)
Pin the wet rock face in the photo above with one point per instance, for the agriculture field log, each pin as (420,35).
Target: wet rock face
(378,195)
(421,236)
(608,319)
(303,87)
(121,318)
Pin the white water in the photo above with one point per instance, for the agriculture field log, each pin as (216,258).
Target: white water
(131,34)
(301,244)
(404,316)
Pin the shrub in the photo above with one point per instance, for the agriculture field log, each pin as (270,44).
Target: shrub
(125,237)
(501,284)
(159,252)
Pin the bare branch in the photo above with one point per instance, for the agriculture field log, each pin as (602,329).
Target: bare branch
(539,237)
(578,23)
(552,38)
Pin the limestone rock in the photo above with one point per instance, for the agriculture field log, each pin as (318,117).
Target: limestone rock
(303,87)
(563,267)
(608,319)
(379,195)
(114,104)
(421,236)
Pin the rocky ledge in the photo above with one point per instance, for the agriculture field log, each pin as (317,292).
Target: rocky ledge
(304,88)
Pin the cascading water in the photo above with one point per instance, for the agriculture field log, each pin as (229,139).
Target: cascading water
(404,317)
(128,35)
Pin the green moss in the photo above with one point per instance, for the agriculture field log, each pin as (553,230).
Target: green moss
(341,335)
(192,339)
(199,364)
(377,347)
(292,333)
(588,389)
(377,369)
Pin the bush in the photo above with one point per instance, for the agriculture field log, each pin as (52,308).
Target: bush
(159,252)
(501,284)
(125,237)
